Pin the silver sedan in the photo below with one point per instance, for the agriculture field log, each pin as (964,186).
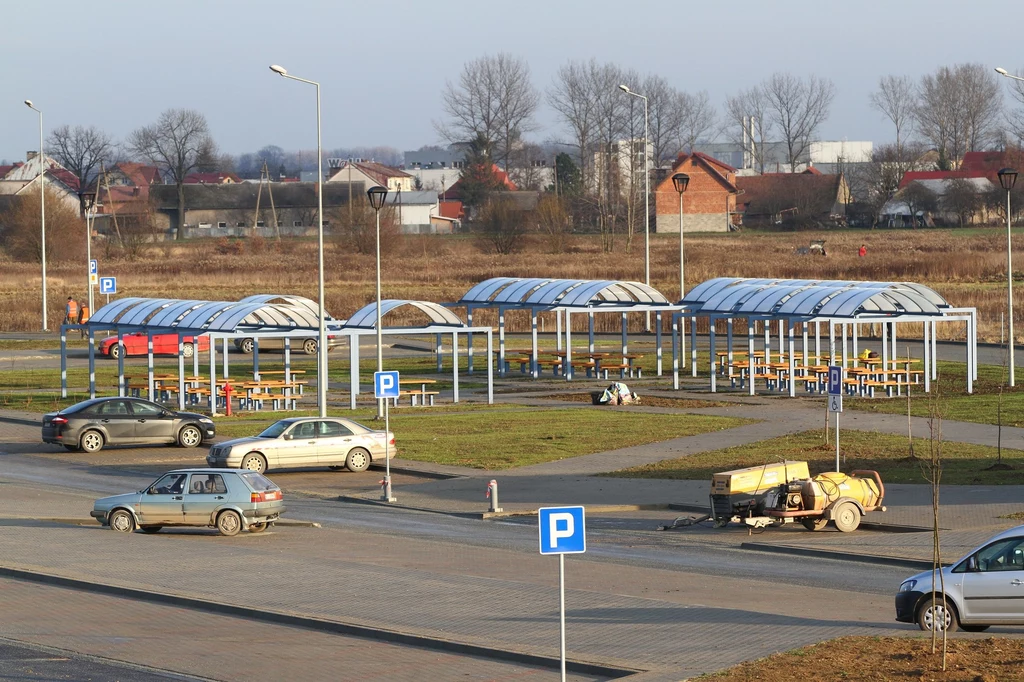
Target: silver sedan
(306,442)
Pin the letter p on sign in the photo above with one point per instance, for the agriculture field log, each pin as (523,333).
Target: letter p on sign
(385,384)
(562,530)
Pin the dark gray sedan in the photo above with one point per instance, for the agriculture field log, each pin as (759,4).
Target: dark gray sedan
(92,424)
(226,499)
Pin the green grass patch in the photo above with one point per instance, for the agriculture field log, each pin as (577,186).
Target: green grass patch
(963,463)
(954,402)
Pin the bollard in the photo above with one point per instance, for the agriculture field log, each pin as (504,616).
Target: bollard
(227,400)
(385,484)
(492,494)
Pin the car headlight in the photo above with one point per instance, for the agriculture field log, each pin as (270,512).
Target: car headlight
(206,420)
(908,585)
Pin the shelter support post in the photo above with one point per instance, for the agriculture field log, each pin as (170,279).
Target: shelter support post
(438,352)
(181,371)
(625,333)
(353,372)
(885,351)
(728,338)
(657,340)
(853,332)
(894,353)
(767,340)
(490,367)
(469,342)
(567,367)
(693,346)
(807,359)
(533,343)
(455,367)
(501,342)
(558,330)
(195,356)
(817,339)
(935,364)
(213,377)
(675,351)
(590,331)
(792,359)
(225,371)
(287,360)
(711,353)
(970,357)
(92,363)
(256,359)
(782,342)
(845,348)
(927,359)
(750,354)
(63,362)
(150,383)
(831,343)
(122,389)
(682,340)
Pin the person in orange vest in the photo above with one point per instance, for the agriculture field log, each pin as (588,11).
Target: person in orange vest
(83,316)
(71,312)
(862,251)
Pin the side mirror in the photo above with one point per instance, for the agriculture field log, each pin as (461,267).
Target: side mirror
(972,564)
(288,436)
(151,491)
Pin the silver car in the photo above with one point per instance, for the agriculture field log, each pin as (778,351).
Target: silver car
(306,442)
(984,588)
(226,499)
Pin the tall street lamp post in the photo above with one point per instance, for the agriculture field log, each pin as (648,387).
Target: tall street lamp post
(89,204)
(321,345)
(680,182)
(647,197)
(42,206)
(1007,178)
(377,195)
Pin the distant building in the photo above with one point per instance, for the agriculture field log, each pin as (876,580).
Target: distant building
(211,179)
(369,173)
(613,166)
(709,200)
(128,174)
(20,178)
(774,198)
(824,154)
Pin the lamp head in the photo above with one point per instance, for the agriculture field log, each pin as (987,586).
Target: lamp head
(88,199)
(28,103)
(624,88)
(377,194)
(280,70)
(1001,71)
(1007,178)
(680,180)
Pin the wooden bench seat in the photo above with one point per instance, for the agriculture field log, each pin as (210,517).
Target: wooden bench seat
(413,395)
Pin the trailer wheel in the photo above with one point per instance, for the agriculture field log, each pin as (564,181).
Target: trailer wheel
(814,524)
(846,517)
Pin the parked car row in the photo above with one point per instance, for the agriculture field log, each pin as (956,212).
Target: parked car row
(137,343)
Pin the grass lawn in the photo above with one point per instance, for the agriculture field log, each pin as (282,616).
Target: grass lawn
(954,402)
(858,659)
(963,464)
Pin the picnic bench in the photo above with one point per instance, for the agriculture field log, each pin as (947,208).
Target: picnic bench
(422,394)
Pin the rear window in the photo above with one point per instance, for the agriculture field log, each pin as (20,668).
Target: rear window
(258,482)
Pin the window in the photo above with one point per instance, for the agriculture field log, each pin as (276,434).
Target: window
(327,223)
(207,484)
(222,224)
(259,223)
(113,408)
(205,226)
(1004,555)
(144,409)
(171,484)
(297,223)
(239,224)
(329,429)
(305,430)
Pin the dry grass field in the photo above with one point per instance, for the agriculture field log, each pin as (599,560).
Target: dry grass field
(967,266)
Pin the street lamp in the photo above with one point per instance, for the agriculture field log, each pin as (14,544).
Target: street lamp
(321,345)
(89,204)
(377,195)
(42,205)
(1003,72)
(647,197)
(680,182)
(1007,178)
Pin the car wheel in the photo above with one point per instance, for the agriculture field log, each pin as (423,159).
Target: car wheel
(91,441)
(846,517)
(814,524)
(188,350)
(229,523)
(122,521)
(150,529)
(258,527)
(190,437)
(246,346)
(974,628)
(116,350)
(309,346)
(357,460)
(254,461)
(927,619)
(71,448)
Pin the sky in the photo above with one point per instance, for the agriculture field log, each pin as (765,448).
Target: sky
(382,66)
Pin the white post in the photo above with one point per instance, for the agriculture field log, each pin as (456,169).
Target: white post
(533,333)
(501,342)
(693,347)
(455,368)
(657,339)
(567,367)
(490,367)
(927,359)
(792,360)
(711,352)
(561,612)
(750,354)
(675,351)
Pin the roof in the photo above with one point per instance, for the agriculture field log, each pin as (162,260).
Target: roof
(715,168)
(139,174)
(366,317)
(4,170)
(412,198)
(515,292)
(980,185)
(737,296)
(912,176)
(455,191)
(774,193)
(450,208)
(243,195)
(212,178)
(378,172)
(29,171)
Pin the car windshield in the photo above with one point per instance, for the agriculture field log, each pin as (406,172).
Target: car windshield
(258,482)
(274,430)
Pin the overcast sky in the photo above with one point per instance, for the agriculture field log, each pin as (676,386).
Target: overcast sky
(382,65)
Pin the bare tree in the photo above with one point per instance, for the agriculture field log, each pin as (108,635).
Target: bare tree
(175,143)
(554,222)
(961,199)
(493,98)
(982,104)
(81,150)
(501,226)
(958,110)
(740,109)
(896,99)
(1015,117)
(22,238)
(665,118)
(526,165)
(697,118)
(572,97)
(798,108)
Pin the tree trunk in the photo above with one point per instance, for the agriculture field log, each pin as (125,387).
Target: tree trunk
(181,212)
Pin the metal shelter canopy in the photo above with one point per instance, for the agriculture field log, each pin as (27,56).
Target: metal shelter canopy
(564,297)
(843,304)
(255,316)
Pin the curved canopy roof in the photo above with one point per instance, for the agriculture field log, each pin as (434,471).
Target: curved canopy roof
(513,292)
(254,312)
(366,317)
(811,298)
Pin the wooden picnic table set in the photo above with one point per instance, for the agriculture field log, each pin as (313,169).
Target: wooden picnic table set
(857,380)
(251,394)
(596,363)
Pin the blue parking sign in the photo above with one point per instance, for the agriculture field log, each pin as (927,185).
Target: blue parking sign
(835,380)
(93,267)
(562,530)
(108,285)
(385,385)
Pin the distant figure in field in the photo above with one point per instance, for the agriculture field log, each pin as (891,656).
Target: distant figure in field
(71,311)
(863,251)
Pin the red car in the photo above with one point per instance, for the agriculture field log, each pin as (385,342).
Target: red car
(163,344)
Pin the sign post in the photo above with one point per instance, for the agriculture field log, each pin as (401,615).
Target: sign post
(385,385)
(835,399)
(562,531)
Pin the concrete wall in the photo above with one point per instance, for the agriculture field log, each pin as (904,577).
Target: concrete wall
(692,222)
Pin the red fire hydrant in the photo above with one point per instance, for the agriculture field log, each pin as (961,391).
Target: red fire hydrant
(227,399)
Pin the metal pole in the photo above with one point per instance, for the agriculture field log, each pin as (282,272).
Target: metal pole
(682,281)
(561,612)
(380,351)
(647,214)
(88,255)
(321,345)
(837,441)
(1010,294)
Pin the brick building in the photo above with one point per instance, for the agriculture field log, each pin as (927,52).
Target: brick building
(709,201)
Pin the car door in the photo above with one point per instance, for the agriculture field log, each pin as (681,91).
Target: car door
(116,418)
(297,447)
(161,504)
(995,591)
(333,442)
(203,495)
(153,424)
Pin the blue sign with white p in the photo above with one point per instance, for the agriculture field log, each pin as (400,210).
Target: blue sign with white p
(93,267)
(108,285)
(385,385)
(562,530)
(835,380)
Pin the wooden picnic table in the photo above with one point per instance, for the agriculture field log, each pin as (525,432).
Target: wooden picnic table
(423,393)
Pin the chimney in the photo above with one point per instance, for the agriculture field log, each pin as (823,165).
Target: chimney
(31,155)
(135,191)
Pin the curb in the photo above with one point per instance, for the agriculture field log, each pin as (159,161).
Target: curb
(842,556)
(596,509)
(320,624)
(80,521)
